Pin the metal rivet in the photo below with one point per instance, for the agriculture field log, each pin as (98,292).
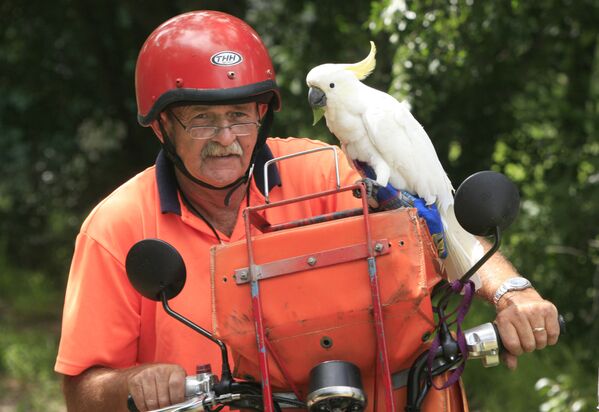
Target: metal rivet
(179,82)
(311,261)
(401,243)
(243,275)
(269,73)
(378,247)
(231,75)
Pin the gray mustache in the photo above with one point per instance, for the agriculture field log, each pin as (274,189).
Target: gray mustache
(216,149)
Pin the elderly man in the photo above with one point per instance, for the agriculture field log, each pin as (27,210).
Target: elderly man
(206,86)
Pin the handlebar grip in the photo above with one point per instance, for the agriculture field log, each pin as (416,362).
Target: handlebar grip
(562,324)
(131,404)
(562,331)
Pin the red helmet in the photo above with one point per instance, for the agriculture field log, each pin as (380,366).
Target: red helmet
(204,57)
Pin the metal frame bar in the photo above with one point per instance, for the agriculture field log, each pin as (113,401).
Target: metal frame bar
(305,152)
(258,320)
(312,261)
(254,275)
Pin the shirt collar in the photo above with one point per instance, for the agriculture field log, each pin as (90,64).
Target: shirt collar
(167,181)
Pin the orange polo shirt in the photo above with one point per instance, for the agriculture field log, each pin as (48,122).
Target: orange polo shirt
(107,323)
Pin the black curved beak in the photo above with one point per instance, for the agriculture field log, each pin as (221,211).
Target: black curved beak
(316,97)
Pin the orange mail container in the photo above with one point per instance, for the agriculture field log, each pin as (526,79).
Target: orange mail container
(316,296)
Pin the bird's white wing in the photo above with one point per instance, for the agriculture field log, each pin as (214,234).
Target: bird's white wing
(405,146)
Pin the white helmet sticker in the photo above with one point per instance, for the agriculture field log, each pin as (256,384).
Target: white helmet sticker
(226,58)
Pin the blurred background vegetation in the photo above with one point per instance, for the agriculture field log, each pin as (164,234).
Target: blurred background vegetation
(506,85)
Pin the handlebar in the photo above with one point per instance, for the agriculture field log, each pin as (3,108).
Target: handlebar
(484,342)
(198,390)
(194,404)
(200,397)
(562,331)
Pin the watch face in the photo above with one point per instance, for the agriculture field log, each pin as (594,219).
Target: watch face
(518,282)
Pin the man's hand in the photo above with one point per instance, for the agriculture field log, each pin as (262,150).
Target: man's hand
(157,386)
(526,322)
(152,386)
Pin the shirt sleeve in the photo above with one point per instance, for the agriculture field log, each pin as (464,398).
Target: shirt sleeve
(101,318)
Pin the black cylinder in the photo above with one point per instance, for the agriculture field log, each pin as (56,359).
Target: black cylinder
(334,373)
(336,385)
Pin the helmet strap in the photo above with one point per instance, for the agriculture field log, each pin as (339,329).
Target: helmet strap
(171,153)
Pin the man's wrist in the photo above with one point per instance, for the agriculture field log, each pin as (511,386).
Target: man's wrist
(510,284)
(516,296)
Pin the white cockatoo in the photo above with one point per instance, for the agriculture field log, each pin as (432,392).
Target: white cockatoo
(375,128)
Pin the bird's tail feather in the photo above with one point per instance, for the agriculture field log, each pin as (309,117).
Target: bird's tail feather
(463,249)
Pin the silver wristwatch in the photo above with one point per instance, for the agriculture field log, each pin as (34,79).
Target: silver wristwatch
(518,283)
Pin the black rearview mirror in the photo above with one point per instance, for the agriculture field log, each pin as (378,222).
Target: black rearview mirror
(486,200)
(154,266)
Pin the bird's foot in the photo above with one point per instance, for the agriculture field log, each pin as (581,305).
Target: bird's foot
(371,188)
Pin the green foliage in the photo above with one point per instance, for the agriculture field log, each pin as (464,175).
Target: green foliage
(562,393)
(538,384)
(26,362)
(30,305)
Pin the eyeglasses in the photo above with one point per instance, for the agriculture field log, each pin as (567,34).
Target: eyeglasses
(208,132)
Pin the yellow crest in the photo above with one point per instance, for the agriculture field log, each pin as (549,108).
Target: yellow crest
(363,68)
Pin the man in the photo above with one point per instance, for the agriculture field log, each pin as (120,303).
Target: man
(206,86)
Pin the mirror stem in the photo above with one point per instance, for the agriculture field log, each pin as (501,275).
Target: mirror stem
(490,252)
(448,291)
(226,377)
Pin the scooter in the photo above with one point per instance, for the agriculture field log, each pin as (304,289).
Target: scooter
(485,204)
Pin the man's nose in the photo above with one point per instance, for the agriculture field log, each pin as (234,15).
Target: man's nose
(225,136)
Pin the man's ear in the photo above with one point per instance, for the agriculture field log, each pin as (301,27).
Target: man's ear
(156,127)
(262,108)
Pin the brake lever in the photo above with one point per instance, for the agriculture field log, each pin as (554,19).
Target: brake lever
(194,404)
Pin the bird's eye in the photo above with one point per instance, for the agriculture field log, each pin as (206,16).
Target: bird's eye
(332,85)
